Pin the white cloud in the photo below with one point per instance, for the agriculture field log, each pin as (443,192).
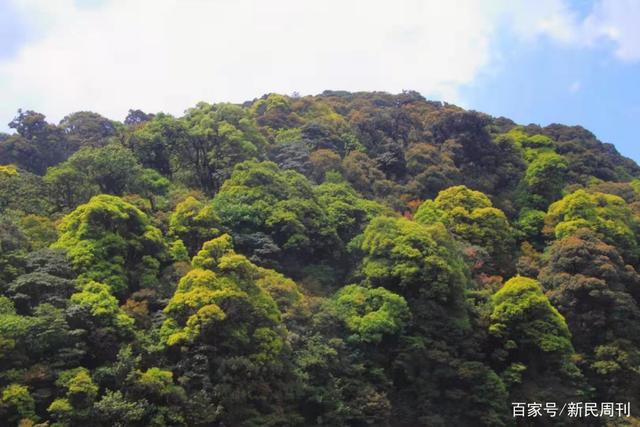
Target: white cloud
(166,55)
(619,22)
(616,21)
(529,20)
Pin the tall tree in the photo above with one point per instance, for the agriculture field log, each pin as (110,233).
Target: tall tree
(219,136)
(221,314)
(37,144)
(607,215)
(424,265)
(275,217)
(533,344)
(590,284)
(112,241)
(471,217)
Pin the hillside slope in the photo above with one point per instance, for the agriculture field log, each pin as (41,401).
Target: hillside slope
(345,259)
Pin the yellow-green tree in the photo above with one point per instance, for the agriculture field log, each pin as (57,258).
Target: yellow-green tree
(228,310)
(607,215)
(470,216)
(194,222)
(112,241)
(534,343)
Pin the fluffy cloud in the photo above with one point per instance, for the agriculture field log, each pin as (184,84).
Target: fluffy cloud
(529,21)
(619,22)
(166,55)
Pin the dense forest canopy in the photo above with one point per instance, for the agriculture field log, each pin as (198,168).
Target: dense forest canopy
(346,259)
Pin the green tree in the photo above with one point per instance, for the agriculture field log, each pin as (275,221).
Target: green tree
(40,342)
(545,178)
(221,312)
(110,240)
(112,169)
(275,218)
(219,136)
(22,192)
(114,409)
(530,223)
(346,210)
(607,215)
(471,217)
(17,400)
(371,313)
(597,293)
(36,145)
(105,325)
(68,186)
(423,264)
(13,329)
(101,305)
(80,393)
(536,351)
(156,143)
(194,222)
(87,129)
(415,260)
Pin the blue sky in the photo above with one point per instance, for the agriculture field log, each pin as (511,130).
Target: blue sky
(564,61)
(543,83)
(12,31)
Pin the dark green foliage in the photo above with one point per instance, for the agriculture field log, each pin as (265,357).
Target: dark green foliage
(87,129)
(291,155)
(275,217)
(487,165)
(36,145)
(219,136)
(433,170)
(22,191)
(47,279)
(112,169)
(588,157)
(155,142)
(424,265)
(589,283)
(14,245)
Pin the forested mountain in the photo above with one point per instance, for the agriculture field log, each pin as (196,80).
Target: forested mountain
(346,259)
